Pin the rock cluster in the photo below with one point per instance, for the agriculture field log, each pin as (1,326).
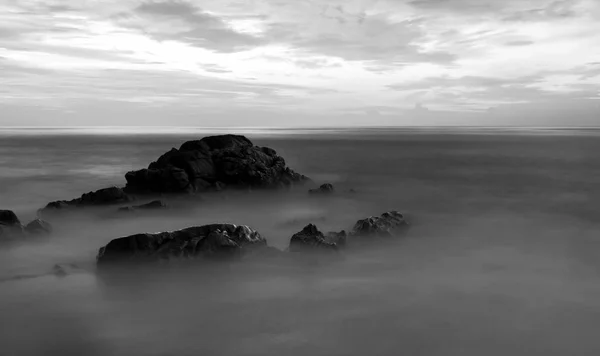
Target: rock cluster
(213,163)
(236,241)
(11,227)
(326,188)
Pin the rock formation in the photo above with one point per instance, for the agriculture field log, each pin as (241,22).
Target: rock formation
(213,163)
(38,226)
(323,189)
(153,205)
(11,227)
(106,196)
(208,241)
(385,225)
(310,239)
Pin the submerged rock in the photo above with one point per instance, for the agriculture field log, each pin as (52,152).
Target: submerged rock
(10,225)
(385,225)
(208,241)
(153,205)
(106,196)
(213,163)
(39,226)
(310,239)
(323,189)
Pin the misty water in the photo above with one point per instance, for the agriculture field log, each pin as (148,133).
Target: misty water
(501,258)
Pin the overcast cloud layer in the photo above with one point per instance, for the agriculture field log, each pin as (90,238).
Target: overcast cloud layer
(299,62)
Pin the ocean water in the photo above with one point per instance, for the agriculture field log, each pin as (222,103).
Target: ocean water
(501,258)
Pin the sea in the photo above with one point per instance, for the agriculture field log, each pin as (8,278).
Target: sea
(502,256)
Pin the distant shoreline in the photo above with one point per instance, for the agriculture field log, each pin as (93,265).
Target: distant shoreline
(284,131)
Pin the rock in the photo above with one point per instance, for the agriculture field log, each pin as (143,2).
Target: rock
(213,163)
(153,205)
(10,225)
(64,269)
(310,239)
(323,189)
(385,225)
(219,241)
(106,196)
(38,226)
(338,238)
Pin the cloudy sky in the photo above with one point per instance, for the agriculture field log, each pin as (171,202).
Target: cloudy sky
(299,62)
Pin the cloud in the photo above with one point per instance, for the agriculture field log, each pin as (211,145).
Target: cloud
(184,22)
(305,59)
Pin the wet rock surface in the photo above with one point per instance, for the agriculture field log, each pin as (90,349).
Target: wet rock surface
(388,224)
(209,241)
(311,239)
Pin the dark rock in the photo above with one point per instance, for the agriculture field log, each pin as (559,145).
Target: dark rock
(38,226)
(106,196)
(10,225)
(153,205)
(323,189)
(338,238)
(385,225)
(64,269)
(209,241)
(310,239)
(213,163)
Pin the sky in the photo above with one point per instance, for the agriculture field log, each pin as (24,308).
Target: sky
(298,63)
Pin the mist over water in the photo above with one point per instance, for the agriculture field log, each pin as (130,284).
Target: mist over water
(501,258)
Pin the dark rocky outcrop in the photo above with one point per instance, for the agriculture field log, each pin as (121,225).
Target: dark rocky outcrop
(106,196)
(38,226)
(208,241)
(213,163)
(323,189)
(310,239)
(387,224)
(11,227)
(153,205)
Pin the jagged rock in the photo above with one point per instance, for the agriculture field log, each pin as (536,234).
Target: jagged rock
(211,164)
(106,196)
(208,241)
(38,226)
(153,205)
(311,239)
(323,189)
(385,225)
(10,225)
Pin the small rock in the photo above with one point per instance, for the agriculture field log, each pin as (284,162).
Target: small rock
(38,226)
(310,239)
(10,225)
(153,205)
(323,189)
(385,225)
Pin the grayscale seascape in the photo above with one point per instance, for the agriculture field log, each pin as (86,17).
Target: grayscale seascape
(501,257)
